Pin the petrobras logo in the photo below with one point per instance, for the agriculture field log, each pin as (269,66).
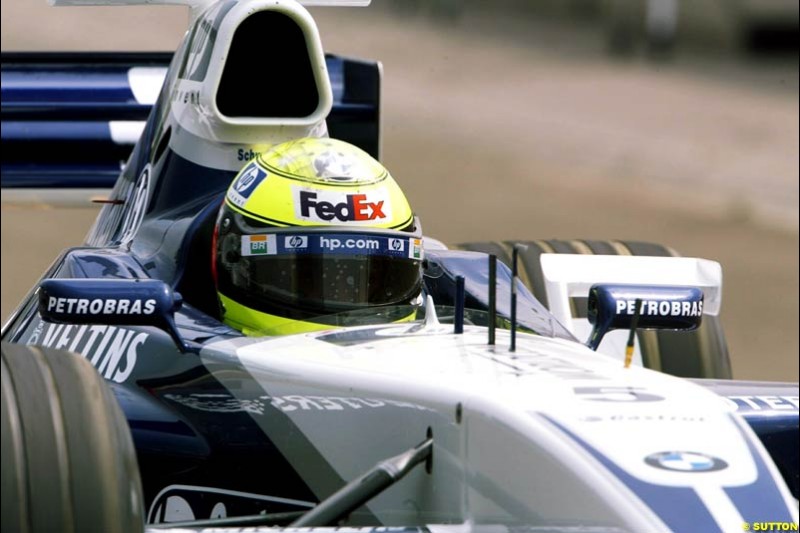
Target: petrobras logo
(258,245)
(245,184)
(334,206)
(101,306)
(685,462)
(661,308)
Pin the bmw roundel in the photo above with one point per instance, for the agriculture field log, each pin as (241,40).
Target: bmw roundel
(685,462)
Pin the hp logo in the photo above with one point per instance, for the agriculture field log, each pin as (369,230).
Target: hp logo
(296,241)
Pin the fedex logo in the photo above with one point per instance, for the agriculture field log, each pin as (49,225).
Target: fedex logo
(327,206)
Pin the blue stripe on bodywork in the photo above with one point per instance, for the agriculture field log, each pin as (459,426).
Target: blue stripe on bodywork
(680,508)
(76,176)
(73,85)
(759,501)
(56,131)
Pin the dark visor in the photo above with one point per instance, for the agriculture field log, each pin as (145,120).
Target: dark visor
(319,272)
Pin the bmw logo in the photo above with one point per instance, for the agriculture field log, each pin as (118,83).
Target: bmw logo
(685,462)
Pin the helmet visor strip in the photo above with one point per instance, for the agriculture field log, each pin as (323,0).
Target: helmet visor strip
(322,271)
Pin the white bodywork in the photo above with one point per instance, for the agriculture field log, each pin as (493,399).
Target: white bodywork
(552,432)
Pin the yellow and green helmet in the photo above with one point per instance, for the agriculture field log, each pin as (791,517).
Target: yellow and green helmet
(312,228)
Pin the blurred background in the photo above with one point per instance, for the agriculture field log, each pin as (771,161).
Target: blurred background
(667,121)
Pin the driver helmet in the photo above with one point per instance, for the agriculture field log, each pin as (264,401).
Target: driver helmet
(312,228)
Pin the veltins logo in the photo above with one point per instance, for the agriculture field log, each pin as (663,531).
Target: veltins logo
(336,206)
(685,462)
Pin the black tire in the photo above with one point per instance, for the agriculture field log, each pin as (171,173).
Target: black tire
(68,461)
(697,354)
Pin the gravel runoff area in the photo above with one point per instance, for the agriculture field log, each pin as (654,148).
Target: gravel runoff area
(504,128)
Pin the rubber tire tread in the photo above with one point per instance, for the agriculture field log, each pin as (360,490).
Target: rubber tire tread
(698,354)
(68,459)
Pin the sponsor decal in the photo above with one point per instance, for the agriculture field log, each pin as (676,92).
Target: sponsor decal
(186,96)
(339,243)
(397,245)
(415,252)
(245,184)
(685,462)
(333,244)
(101,306)
(180,503)
(295,242)
(336,206)
(198,56)
(526,361)
(660,308)
(666,417)
(112,350)
(226,403)
(135,207)
(616,394)
(246,155)
(258,245)
(765,403)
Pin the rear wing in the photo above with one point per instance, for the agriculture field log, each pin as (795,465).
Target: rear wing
(70,120)
(568,277)
(197,6)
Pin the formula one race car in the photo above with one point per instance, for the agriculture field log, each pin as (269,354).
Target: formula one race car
(483,408)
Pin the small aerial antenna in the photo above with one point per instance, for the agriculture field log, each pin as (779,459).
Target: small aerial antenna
(514,272)
(460,296)
(492,296)
(632,335)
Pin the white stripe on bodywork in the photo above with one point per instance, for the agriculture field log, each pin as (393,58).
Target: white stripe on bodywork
(126,131)
(146,82)
(720,506)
